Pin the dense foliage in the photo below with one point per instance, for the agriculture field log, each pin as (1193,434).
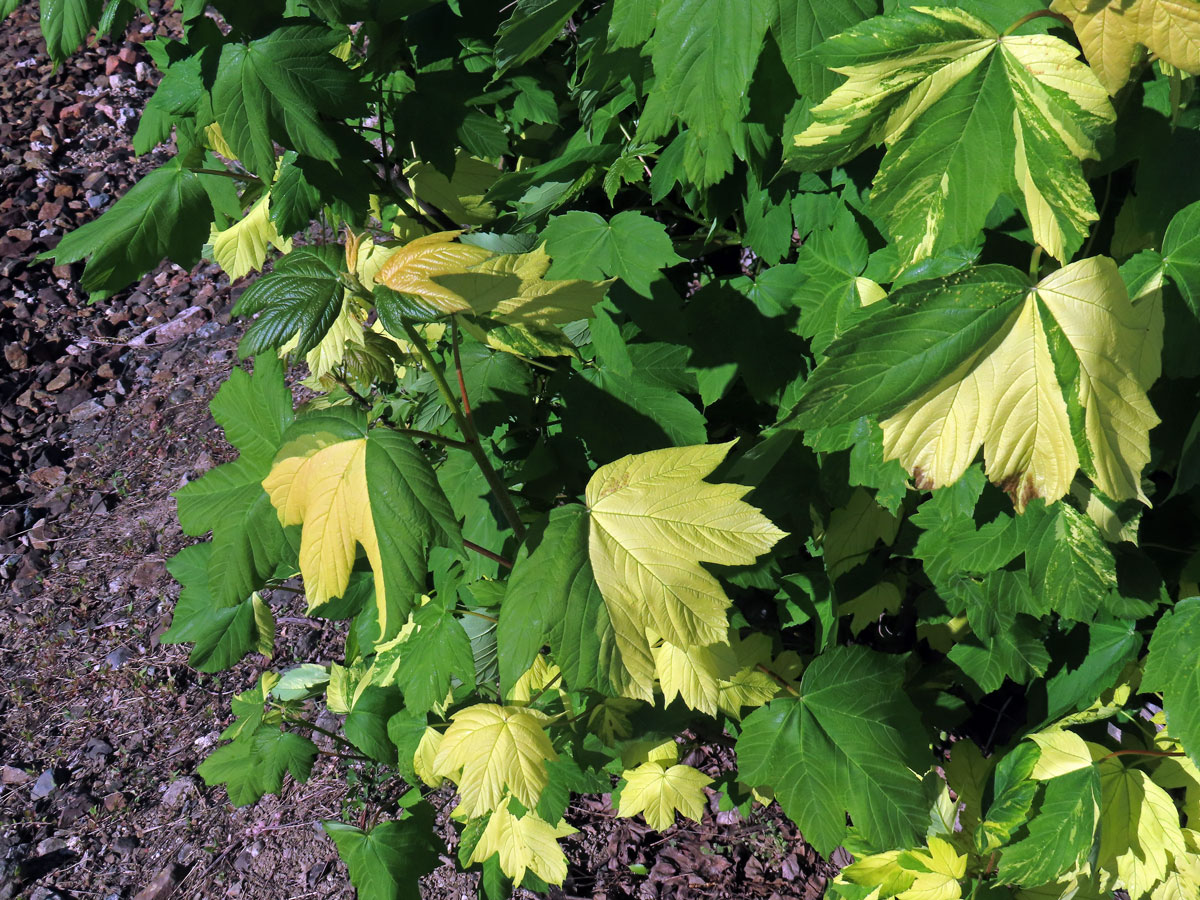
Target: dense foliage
(814,375)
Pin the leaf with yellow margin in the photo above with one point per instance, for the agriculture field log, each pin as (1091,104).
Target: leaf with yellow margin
(659,792)
(411,270)
(1045,380)
(375,491)
(1113,34)
(968,116)
(653,522)
(242,247)
(524,842)
(490,751)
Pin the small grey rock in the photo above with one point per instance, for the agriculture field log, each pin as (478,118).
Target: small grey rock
(89,409)
(50,845)
(178,791)
(44,786)
(117,658)
(97,200)
(97,749)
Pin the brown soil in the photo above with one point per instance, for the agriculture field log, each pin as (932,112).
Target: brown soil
(101,726)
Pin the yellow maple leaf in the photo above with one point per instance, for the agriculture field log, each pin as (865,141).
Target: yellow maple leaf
(881,871)
(426,753)
(694,673)
(944,867)
(1006,398)
(491,750)
(1061,752)
(659,792)
(653,521)
(242,247)
(412,268)
(749,685)
(535,679)
(524,843)
(1113,34)
(320,482)
(1140,834)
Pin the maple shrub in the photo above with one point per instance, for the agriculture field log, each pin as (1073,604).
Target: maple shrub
(816,378)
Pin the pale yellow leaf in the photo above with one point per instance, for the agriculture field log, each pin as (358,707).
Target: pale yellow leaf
(320,482)
(1060,752)
(491,750)
(635,753)
(946,867)
(242,247)
(1113,34)
(524,843)
(660,792)
(427,750)
(1140,832)
(214,140)
(882,871)
(461,195)
(694,673)
(653,521)
(536,677)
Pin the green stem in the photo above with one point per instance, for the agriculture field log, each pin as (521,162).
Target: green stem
(1035,262)
(499,489)
(1037,14)
(304,723)
(551,683)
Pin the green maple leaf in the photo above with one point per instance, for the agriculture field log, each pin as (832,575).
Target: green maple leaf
(301,296)
(229,500)
(1174,669)
(166,214)
(278,88)
(704,54)
(1061,833)
(848,743)
(967,116)
(386,862)
(630,246)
